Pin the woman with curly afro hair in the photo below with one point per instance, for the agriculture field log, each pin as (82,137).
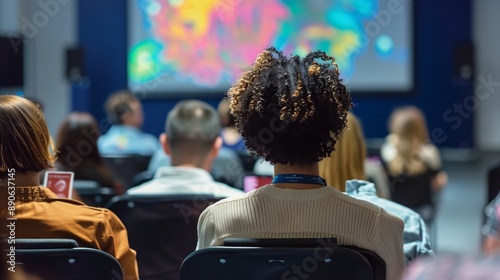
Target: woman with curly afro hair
(290,111)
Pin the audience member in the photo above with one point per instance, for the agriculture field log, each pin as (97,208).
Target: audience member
(301,105)
(351,161)
(412,162)
(346,162)
(78,152)
(375,173)
(125,136)
(26,149)
(415,236)
(230,136)
(491,229)
(492,181)
(192,141)
(226,167)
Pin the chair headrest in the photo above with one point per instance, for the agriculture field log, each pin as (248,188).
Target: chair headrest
(45,243)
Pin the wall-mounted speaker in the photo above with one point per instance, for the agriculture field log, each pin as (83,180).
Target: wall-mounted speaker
(75,69)
(463,61)
(11,62)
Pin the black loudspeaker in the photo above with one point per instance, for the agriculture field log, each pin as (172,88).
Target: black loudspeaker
(74,63)
(11,62)
(463,61)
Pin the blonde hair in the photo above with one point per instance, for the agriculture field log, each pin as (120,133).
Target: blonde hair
(408,134)
(347,161)
(25,142)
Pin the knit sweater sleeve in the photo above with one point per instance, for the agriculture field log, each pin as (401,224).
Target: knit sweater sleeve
(389,244)
(206,229)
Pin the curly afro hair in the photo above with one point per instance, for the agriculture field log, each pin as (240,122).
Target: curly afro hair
(290,110)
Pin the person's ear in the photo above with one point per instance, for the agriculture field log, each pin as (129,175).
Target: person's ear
(216,147)
(165,144)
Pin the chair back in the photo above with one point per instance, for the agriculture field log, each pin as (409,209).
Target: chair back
(92,194)
(162,229)
(143,177)
(45,243)
(62,259)
(415,192)
(412,191)
(267,259)
(125,167)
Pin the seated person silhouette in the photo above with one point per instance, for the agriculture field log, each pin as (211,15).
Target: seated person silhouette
(25,150)
(78,152)
(226,167)
(347,164)
(350,163)
(290,111)
(125,136)
(412,162)
(231,138)
(192,141)
(491,229)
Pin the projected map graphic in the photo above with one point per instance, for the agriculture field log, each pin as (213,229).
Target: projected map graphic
(209,42)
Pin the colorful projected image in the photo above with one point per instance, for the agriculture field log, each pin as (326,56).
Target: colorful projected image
(208,42)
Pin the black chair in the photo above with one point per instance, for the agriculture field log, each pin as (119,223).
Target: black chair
(45,243)
(143,177)
(162,229)
(415,192)
(60,259)
(125,167)
(270,259)
(92,194)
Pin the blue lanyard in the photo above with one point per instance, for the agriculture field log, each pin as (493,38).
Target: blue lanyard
(299,179)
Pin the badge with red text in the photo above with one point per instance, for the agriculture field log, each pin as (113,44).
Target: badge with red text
(60,183)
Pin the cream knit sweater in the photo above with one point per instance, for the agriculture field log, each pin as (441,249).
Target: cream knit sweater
(271,212)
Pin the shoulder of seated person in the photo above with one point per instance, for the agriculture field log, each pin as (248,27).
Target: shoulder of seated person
(230,199)
(429,149)
(384,214)
(376,209)
(388,150)
(79,204)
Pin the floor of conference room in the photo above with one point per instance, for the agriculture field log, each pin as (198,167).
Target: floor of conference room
(460,213)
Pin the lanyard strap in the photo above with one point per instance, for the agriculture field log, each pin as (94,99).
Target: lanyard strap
(299,179)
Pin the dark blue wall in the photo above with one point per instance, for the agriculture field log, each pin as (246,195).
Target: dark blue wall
(440,26)
(102,32)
